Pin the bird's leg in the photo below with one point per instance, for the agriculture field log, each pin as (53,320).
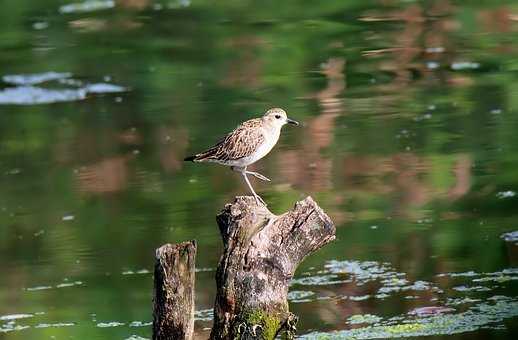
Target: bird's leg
(258,198)
(258,175)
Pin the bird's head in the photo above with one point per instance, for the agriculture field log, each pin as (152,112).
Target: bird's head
(278,117)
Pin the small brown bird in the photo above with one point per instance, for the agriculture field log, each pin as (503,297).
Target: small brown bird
(249,142)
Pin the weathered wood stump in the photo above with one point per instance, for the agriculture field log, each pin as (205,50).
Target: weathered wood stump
(262,252)
(173,297)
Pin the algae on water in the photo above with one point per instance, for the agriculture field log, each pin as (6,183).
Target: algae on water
(483,315)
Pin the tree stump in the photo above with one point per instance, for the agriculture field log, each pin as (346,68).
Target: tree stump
(262,252)
(173,298)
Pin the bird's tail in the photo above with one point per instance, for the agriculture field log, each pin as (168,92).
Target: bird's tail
(202,156)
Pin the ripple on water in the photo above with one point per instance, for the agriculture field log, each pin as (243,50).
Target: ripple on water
(318,280)
(110,324)
(300,296)
(511,237)
(364,271)
(104,88)
(65,284)
(36,288)
(464,65)
(29,95)
(461,301)
(136,272)
(136,337)
(11,326)
(205,269)
(69,284)
(15,317)
(463,274)
(204,315)
(508,274)
(87,6)
(36,78)
(431,310)
(55,325)
(464,288)
(505,194)
(140,324)
(360,297)
(26,93)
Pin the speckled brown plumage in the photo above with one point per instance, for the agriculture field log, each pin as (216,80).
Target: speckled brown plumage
(241,142)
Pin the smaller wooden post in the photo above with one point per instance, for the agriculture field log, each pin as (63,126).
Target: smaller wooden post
(173,297)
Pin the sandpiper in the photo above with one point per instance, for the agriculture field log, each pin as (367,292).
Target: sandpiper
(248,143)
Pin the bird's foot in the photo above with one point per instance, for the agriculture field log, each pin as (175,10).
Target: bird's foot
(258,175)
(259,200)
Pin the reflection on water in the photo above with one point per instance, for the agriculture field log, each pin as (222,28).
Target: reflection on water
(408,141)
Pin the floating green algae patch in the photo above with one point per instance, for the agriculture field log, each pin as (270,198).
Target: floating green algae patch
(362,273)
(300,296)
(363,318)
(483,315)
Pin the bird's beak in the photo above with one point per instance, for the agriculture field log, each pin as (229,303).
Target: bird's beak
(292,122)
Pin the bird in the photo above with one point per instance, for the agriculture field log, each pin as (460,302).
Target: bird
(246,144)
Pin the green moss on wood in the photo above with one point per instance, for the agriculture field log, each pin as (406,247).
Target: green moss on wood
(259,322)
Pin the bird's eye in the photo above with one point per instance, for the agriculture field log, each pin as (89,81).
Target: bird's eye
(278,116)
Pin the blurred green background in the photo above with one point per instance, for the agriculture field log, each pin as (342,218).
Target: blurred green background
(409,142)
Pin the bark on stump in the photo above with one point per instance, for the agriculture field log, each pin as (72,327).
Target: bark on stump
(262,252)
(173,296)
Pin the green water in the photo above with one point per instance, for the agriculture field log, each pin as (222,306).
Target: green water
(409,142)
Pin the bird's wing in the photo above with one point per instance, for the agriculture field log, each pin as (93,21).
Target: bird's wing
(241,142)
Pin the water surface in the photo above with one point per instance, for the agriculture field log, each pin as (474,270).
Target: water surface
(408,141)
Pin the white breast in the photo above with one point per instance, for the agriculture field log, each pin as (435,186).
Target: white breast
(262,150)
